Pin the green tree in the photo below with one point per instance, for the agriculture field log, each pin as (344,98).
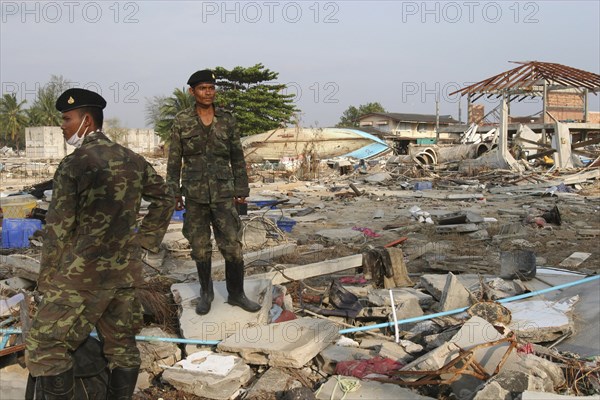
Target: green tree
(350,117)
(43,111)
(13,119)
(168,108)
(258,105)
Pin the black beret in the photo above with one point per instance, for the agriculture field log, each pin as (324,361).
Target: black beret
(204,76)
(77,98)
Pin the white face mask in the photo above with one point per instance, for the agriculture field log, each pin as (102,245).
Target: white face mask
(76,140)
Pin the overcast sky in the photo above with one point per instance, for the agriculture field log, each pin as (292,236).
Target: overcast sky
(332,54)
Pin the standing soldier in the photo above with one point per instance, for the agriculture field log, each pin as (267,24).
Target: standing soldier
(91,255)
(207,141)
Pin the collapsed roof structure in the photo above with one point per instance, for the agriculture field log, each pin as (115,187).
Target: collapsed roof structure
(537,79)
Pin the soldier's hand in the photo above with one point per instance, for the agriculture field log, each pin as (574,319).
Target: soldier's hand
(179,203)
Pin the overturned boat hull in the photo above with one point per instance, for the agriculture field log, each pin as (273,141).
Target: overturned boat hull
(296,142)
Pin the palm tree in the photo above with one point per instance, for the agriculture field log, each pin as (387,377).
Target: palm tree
(43,111)
(179,101)
(13,118)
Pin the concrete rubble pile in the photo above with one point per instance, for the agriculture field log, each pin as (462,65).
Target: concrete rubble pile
(385,281)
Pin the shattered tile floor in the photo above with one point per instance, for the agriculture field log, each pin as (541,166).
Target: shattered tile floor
(473,265)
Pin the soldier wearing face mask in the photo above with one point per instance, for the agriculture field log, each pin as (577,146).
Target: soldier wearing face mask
(91,252)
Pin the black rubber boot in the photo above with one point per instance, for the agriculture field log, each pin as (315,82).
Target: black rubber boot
(207,293)
(234,277)
(58,387)
(121,384)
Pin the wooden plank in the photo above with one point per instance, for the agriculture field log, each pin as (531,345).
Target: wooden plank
(309,270)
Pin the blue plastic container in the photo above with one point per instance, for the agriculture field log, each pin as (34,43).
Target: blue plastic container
(178,215)
(263,203)
(285,224)
(16,231)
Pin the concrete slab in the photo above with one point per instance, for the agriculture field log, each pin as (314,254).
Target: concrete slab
(530,395)
(16,283)
(331,355)
(574,259)
(13,381)
(156,354)
(433,284)
(223,319)
(272,384)
(368,390)
(381,297)
(454,295)
(458,228)
(287,344)
(340,235)
(209,375)
(542,321)
(585,341)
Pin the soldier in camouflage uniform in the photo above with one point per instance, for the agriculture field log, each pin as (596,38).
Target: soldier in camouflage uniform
(205,139)
(91,255)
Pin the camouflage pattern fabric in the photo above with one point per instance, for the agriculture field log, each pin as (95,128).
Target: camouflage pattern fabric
(91,254)
(90,239)
(226,225)
(214,169)
(65,318)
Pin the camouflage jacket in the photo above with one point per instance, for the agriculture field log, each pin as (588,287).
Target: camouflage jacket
(92,238)
(214,169)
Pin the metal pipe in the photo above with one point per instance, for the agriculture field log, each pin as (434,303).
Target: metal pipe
(459,310)
(140,338)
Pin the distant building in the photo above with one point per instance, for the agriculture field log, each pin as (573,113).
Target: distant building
(47,142)
(404,129)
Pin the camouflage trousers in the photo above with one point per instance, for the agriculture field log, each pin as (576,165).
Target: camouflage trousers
(65,318)
(226,226)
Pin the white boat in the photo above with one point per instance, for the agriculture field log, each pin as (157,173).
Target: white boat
(321,143)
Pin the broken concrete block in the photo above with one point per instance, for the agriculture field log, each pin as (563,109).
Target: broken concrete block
(209,375)
(437,339)
(367,390)
(156,354)
(459,228)
(492,390)
(223,319)
(13,381)
(433,360)
(454,295)
(477,331)
(474,332)
(23,266)
(144,381)
(378,177)
(272,384)
(340,235)
(574,259)
(301,393)
(433,284)
(286,344)
(408,309)
(16,283)
(539,321)
(328,358)
(530,372)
